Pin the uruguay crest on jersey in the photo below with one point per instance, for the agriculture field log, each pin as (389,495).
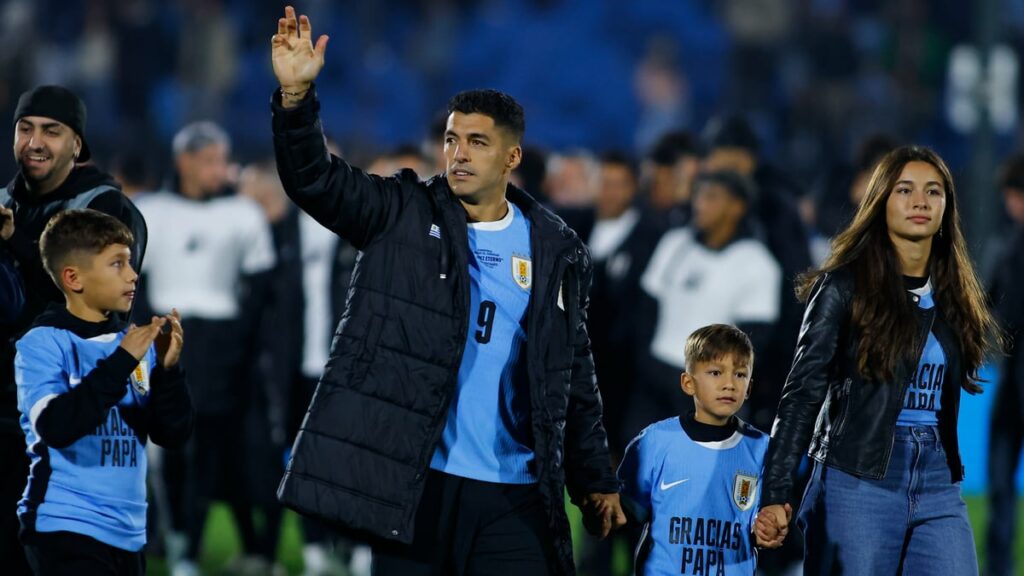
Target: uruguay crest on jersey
(522,272)
(140,377)
(744,486)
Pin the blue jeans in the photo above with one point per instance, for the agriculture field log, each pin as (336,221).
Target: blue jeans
(913,521)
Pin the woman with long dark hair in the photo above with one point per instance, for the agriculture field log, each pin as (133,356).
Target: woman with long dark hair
(895,325)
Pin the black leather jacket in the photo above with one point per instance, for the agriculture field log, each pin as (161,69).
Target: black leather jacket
(846,421)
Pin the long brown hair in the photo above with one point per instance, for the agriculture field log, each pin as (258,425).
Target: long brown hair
(882,316)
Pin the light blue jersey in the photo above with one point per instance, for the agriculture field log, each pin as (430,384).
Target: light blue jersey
(97,485)
(699,499)
(487,433)
(923,399)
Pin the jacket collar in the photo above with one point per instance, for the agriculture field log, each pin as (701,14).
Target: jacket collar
(549,228)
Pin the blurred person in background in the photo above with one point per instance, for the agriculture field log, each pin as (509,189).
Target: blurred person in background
(433,146)
(530,175)
(667,175)
(307,297)
(663,92)
(53,175)
(1006,433)
(210,255)
(403,156)
(714,271)
(733,145)
(571,180)
(839,192)
(134,171)
(621,239)
(621,236)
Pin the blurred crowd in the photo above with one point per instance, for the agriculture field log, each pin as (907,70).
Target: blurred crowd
(815,77)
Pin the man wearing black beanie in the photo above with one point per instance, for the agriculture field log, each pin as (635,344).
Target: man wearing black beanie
(50,149)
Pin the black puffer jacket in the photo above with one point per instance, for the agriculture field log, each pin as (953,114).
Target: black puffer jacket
(361,457)
(849,422)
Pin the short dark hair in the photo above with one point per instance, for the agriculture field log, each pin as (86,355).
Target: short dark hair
(737,184)
(731,131)
(674,145)
(501,107)
(618,158)
(716,341)
(873,149)
(83,231)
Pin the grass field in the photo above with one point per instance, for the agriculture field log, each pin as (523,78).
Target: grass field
(222,544)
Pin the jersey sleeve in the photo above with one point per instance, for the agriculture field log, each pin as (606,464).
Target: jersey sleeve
(39,372)
(636,475)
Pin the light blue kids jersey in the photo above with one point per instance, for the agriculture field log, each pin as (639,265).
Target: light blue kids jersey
(699,499)
(97,485)
(487,433)
(923,400)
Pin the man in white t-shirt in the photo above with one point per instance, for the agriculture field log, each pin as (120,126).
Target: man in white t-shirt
(714,271)
(210,254)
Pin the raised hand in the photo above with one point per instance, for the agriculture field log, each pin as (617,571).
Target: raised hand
(138,339)
(170,343)
(296,61)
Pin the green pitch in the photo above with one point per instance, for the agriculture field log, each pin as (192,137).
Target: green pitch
(221,542)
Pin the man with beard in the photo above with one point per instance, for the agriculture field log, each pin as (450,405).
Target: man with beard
(50,148)
(458,401)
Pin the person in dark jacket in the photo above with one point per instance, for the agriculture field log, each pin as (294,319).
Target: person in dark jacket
(1006,432)
(459,399)
(12,294)
(311,275)
(50,149)
(895,326)
(733,145)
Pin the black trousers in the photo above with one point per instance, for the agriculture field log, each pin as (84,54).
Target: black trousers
(211,465)
(70,554)
(13,475)
(1006,435)
(467,528)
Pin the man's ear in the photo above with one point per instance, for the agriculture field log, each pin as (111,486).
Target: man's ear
(515,156)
